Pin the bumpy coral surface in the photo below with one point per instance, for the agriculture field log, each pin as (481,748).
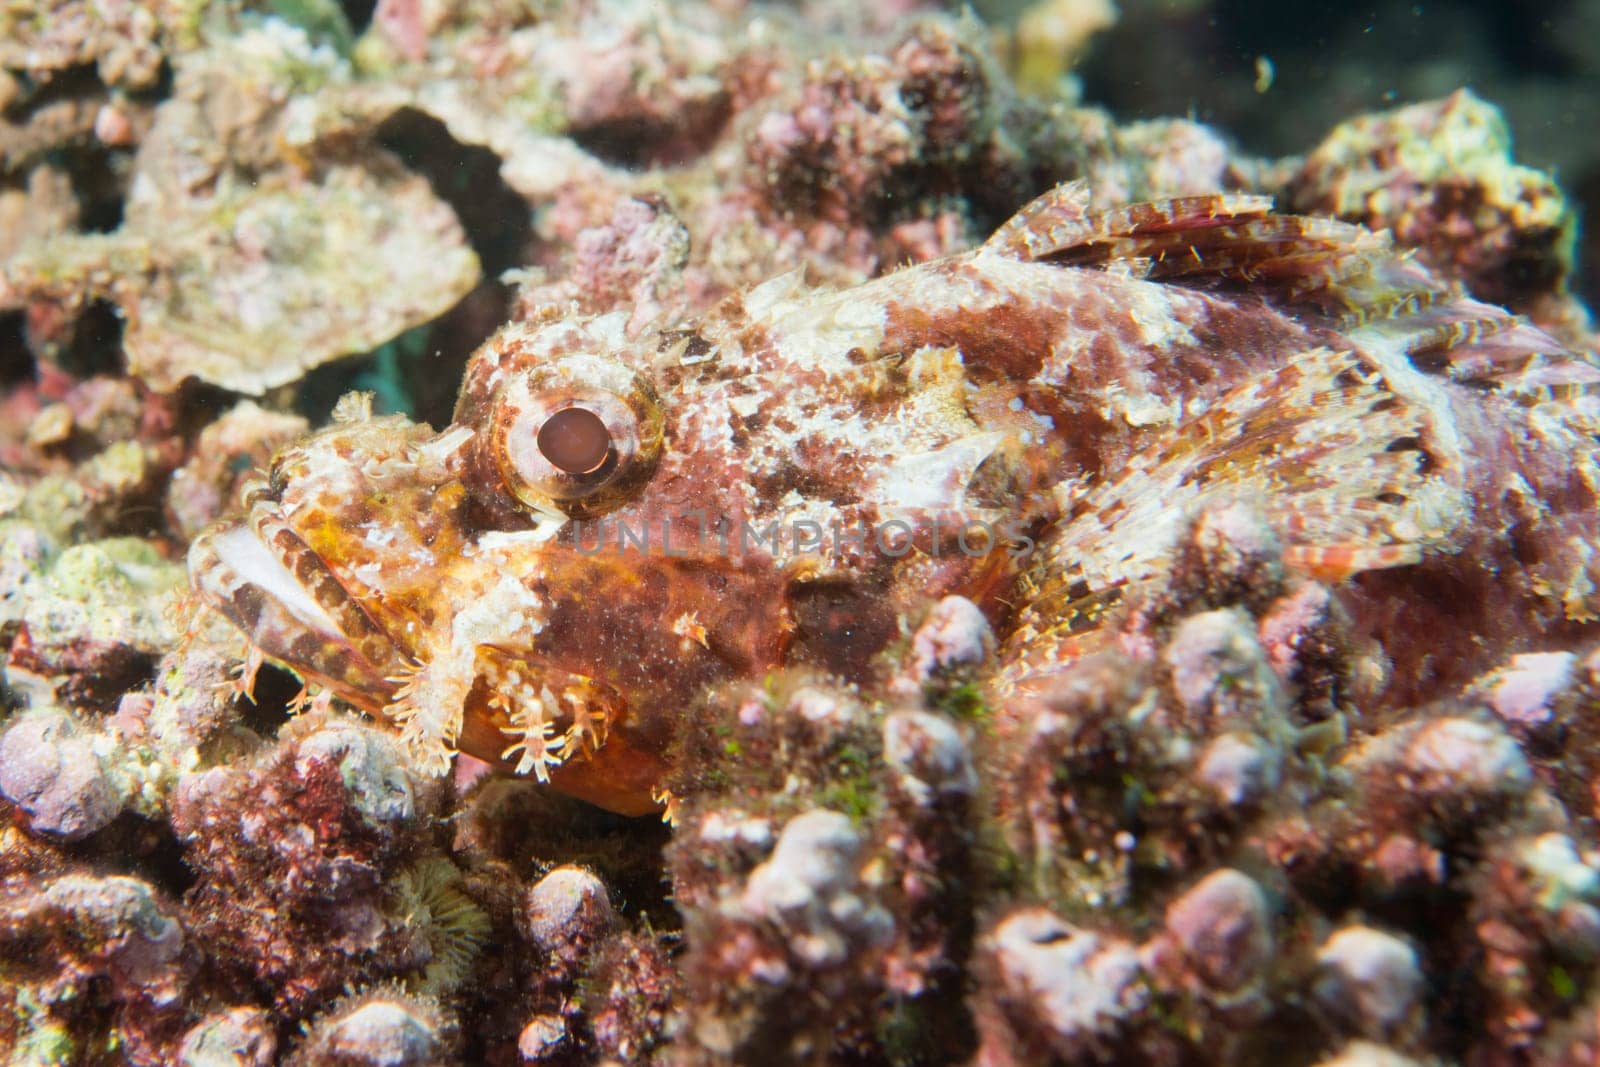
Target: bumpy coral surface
(917,571)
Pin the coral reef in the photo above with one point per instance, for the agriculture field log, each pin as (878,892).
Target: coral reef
(383,1026)
(106,956)
(822,902)
(246,268)
(920,570)
(290,859)
(1440,176)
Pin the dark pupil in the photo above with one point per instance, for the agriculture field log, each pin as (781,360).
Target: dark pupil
(575,440)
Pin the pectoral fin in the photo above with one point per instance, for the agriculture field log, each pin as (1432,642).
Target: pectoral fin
(1335,461)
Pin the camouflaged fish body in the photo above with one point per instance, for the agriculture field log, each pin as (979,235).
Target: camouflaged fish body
(615,521)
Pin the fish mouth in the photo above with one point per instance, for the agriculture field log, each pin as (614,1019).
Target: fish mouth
(284,598)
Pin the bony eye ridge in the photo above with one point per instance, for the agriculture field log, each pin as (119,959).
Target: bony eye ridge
(579,434)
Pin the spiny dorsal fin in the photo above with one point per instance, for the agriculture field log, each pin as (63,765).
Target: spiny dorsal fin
(1349,273)
(1199,239)
(1059,224)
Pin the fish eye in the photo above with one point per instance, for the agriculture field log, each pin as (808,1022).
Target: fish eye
(575,440)
(579,434)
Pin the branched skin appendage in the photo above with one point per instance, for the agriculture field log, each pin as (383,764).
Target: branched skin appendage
(622,516)
(431,700)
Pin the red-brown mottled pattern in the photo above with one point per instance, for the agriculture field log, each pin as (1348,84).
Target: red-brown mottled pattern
(1088,411)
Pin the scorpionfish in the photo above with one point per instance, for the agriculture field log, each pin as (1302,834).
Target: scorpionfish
(619,518)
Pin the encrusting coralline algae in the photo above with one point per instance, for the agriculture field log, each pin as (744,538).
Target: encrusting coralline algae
(1067,610)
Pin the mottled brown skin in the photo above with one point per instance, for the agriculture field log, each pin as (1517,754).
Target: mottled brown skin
(1196,352)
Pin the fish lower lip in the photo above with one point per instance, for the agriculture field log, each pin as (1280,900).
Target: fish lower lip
(240,553)
(244,577)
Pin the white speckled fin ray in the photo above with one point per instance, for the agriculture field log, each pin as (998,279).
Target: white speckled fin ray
(1483,346)
(1322,447)
(1060,227)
